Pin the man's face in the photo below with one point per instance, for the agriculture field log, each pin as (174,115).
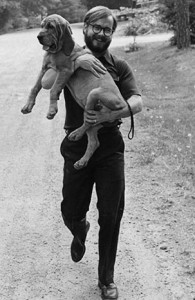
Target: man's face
(98,42)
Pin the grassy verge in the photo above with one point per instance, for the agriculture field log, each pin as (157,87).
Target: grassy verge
(166,78)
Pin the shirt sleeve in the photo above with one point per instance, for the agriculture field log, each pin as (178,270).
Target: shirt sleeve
(126,83)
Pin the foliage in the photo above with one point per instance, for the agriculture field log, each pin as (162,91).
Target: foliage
(8,9)
(12,11)
(113,4)
(168,11)
(169,16)
(32,8)
(73,11)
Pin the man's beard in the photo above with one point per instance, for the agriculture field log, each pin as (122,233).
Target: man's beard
(98,49)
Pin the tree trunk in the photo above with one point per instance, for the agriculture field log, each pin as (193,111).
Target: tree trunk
(183,30)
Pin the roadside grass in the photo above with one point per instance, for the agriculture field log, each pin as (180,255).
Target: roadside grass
(166,78)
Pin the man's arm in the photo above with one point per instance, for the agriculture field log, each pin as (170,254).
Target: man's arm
(104,115)
(135,102)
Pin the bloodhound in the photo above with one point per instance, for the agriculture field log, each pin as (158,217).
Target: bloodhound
(58,71)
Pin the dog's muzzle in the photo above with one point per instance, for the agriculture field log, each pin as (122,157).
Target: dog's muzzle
(47,42)
(40,38)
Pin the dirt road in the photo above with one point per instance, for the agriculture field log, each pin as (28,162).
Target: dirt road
(153,259)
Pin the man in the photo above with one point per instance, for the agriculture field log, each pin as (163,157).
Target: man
(106,167)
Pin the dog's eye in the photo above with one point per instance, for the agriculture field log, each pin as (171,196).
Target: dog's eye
(50,26)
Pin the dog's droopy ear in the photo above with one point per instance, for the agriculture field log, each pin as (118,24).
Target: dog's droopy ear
(67,40)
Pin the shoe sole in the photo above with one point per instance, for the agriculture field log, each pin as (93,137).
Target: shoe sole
(77,241)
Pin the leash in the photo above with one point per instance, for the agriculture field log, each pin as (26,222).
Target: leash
(131,130)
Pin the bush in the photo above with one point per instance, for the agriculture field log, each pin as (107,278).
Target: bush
(168,13)
(20,22)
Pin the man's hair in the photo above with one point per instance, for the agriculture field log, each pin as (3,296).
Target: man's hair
(99,12)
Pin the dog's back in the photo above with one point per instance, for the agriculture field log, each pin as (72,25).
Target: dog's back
(82,82)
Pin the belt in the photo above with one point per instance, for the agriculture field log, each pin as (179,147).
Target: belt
(102,130)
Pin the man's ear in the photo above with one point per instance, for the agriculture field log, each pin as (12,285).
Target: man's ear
(84,28)
(68,42)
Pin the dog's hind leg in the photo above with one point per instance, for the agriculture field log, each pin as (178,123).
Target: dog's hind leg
(92,101)
(92,145)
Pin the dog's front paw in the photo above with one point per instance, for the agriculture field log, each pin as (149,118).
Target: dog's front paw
(50,116)
(27,108)
(51,113)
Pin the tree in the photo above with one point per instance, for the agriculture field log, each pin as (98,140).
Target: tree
(7,10)
(180,16)
(182,27)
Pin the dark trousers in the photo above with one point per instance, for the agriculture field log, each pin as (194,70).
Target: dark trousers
(106,170)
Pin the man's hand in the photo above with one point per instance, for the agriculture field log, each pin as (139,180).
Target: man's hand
(91,63)
(94,117)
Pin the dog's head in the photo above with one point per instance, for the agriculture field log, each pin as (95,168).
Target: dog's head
(56,35)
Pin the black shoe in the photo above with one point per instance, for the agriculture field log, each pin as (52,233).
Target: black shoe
(78,245)
(109,291)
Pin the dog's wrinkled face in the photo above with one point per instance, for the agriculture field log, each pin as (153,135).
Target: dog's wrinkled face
(55,33)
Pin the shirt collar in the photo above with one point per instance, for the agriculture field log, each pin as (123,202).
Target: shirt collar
(106,56)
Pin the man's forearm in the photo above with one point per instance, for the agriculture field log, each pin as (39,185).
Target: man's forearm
(105,115)
(135,103)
